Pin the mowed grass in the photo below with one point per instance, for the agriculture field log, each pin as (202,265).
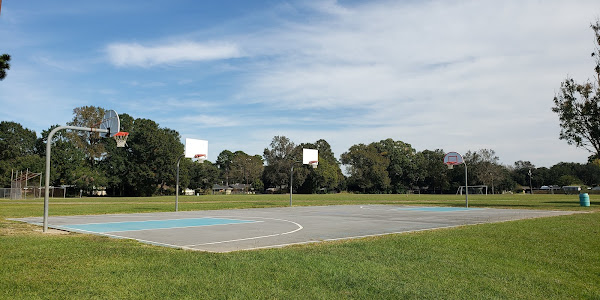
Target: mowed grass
(543,258)
(105,205)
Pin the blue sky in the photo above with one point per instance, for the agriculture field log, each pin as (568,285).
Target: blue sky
(452,75)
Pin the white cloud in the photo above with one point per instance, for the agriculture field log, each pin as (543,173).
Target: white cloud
(207,121)
(436,74)
(457,75)
(134,54)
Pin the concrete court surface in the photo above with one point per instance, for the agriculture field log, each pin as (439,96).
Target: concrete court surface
(256,228)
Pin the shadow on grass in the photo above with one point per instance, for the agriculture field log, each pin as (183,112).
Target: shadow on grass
(571,202)
(504,204)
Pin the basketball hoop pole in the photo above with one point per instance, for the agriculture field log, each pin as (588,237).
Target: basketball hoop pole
(466,187)
(177,184)
(291,181)
(48,150)
(454,158)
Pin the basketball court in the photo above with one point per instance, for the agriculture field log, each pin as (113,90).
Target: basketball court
(257,228)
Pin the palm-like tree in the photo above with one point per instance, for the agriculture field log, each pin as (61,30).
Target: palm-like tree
(4,65)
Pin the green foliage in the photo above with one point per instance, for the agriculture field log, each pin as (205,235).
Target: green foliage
(280,157)
(17,151)
(436,177)
(33,163)
(224,163)
(90,142)
(116,163)
(65,157)
(405,168)
(328,176)
(147,165)
(390,166)
(246,168)
(578,107)
(368,168)
(152,156)
(87,178)
(203,175)
(258,185)
(15,141)
(568,180)
(4,65)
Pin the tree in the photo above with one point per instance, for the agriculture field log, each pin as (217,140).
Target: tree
(89,142)
(117,163)
(15,141)
(152,157)
(202,175)
(578,107)
(569,180)
(367,168)
(520,172)
(224,163)
(245,168)
(66,158)
(279,158)
(405,168)
(17,151)
(4,65)
(327,176)
(88,179)
(484,167)
(435,171)
(588,174)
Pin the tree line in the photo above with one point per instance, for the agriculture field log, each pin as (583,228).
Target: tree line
(147,165)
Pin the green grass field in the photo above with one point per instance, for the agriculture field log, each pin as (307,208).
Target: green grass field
(544,258)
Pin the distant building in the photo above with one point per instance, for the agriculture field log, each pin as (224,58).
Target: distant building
(571,189)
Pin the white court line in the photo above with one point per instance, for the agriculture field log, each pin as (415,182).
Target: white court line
(416,208)
(121,237)
(255,237)
(188,247)
(389,233)
(157,220)
(342,238)
(163,228)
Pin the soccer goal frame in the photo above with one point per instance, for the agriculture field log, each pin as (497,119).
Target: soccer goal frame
(474,190)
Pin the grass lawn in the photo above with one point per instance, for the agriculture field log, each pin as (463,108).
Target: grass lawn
(556,257)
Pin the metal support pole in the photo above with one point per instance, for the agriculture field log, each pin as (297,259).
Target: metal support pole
(291,180)
(26,181)
(48,149)
(466,188)
(530,185)
(177,184)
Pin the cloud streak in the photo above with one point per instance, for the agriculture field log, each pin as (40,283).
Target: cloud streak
(136,55)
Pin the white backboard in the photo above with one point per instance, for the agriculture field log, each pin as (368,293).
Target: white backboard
(309,155)
(111,122)
(194,147)
(453,158)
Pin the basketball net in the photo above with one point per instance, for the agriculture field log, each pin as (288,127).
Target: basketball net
(121,138)
(313,163)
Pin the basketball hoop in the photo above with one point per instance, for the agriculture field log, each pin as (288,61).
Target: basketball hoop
(200,157)
(453,159)
(121,138)
(313,163)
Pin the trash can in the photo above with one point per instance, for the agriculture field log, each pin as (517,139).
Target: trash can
(584,199)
